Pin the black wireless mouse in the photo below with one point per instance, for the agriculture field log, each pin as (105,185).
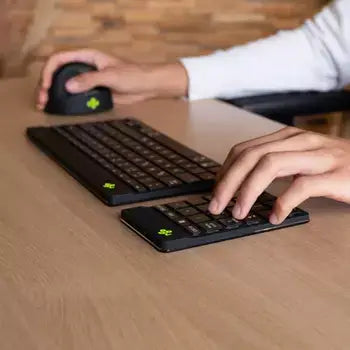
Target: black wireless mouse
(63,102)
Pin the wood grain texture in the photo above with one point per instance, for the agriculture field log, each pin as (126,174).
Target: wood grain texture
(143,30)
(73,277)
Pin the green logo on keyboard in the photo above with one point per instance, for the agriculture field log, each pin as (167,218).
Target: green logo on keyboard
(166,233)
(109,186)
(93,103)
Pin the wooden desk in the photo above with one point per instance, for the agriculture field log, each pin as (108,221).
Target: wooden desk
(73,277)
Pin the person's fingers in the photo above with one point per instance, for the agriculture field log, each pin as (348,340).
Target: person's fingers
(90,80)
(59,59)
(245,163)
(301,189)
(239,148)
(275,165)
(42,98)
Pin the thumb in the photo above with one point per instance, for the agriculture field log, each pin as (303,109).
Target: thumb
(88,81)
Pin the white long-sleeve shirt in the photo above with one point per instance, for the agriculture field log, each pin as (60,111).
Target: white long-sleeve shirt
(315,56)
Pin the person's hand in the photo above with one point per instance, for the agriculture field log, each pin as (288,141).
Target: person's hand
(129,82)
(320,166)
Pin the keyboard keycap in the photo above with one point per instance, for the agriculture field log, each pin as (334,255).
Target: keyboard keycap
(230,223)
(188,211)
(207,176)
(161,208)
(171,215)
(208,164)
(155,186)
(188,178)
(171,181)
(211,226)
(203,207)
(196,201)
(197,170)
(265,214)
(183,222)
(177,205)
(253,219)
(199,218)
(193,230)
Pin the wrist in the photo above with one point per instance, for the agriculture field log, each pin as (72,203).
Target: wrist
(169,80)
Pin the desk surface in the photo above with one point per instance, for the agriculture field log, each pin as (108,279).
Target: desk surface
(73,277)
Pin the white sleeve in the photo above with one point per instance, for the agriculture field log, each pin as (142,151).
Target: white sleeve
(315,56)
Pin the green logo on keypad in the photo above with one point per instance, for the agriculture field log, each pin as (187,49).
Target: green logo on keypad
(164,232)
(109,186)
(93,103)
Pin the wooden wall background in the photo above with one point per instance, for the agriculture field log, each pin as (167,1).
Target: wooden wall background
(151,30)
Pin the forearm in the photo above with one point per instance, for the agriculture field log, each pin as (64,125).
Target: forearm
(313,57)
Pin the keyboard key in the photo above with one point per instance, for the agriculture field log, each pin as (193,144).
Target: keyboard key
(175,171)
(196,201)
(183,222)
(193,230)
(230,223)
(147,180)
(211,226)
(208,164)
(177,205)
(139,188)
(223,215)
(161,208)
(199,218)
(197,170)
(265,214)
(155,186)
(138,174)
(171,215)
(188,211)
(203,207)
(258,207)
(253,219)
(199,159)
(171,181)
(188,178)
(207,176)
(189,166)
(160,174)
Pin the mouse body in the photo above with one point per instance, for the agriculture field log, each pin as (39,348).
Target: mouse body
(62,102)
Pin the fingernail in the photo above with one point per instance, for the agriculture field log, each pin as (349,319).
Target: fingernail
(214,206)
(72,86)
(274,219)
(237,210)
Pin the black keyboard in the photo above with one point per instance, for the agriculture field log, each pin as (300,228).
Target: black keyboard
(126,161)
(186,224)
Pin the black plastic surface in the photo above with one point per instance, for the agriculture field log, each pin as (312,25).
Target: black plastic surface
(61,102)
(148,222)
(96,172)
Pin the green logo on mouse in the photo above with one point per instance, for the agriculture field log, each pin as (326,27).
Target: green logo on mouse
(109,186)
(164,232)
(93,103)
